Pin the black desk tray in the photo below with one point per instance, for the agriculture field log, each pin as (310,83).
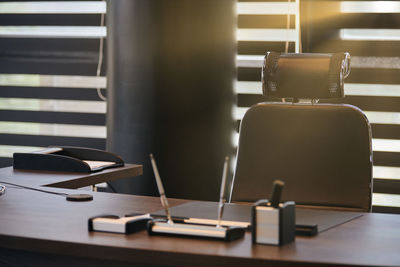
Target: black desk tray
(67,159)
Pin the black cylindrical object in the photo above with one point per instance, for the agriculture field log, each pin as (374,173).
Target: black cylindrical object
(171,68)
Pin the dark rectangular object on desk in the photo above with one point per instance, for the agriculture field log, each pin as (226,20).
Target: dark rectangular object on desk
(67,159)
(115,224)
(306,219)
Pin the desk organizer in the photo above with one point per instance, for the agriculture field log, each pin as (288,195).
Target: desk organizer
(273,226)
(163,227)
(67,159)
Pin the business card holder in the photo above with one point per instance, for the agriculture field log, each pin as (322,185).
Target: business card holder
(163,227)
(115,224)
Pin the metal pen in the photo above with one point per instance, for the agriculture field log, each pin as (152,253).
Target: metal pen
(222,192)
(163,197)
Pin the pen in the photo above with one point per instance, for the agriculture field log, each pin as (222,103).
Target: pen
(276,193)
(222,192)
(163,197)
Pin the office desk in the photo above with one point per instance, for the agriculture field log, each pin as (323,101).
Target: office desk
(70,180)
(38,228)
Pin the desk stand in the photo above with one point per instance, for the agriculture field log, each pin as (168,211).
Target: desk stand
(195,230)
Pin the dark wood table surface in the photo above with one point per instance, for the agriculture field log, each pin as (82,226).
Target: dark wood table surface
(38,228)
(70,180)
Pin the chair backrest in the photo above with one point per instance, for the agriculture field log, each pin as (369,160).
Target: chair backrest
(322,152)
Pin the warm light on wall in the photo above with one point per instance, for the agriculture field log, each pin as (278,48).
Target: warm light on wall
(370,6)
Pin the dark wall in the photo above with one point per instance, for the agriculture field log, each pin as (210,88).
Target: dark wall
(171,68)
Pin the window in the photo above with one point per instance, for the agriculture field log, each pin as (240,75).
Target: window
(48,76)
(262,26)
(369,30)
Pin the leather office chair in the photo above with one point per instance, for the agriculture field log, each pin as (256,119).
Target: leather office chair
(321,151)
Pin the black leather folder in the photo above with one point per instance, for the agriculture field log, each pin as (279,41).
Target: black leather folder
(67,159)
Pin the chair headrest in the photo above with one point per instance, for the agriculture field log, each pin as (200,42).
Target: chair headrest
(305,75)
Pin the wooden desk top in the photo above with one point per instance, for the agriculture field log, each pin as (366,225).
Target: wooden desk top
(46,223)
(68,180)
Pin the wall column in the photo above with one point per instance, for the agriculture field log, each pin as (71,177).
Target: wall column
(171,68)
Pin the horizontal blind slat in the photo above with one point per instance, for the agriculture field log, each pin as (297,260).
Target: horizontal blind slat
(383,209)
(53,117)
(266,35)
(257,8)
(248,87)
(382,117)
(47,46)
(370,34)
(53,7)
(88,94)
(260,48)
(48,140)
(338,21)
(248,74)
(49,20)
(370,7)
(8,151)
(389,159)
(370,103)
(386,172)
(264,22)
(357,75)
(36,80)
(364,89)
(359,48)
(74,106)
(386,145)
(356,62)
(48,66)
(375,62)
(350,89)
(387,200)
(386,186)
(374,76)
(52,32)
(69,130)
(374,117)
(390,131)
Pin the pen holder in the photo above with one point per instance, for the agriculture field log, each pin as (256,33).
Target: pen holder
(273,226)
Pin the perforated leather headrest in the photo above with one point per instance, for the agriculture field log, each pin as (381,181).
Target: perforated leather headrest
(305,75)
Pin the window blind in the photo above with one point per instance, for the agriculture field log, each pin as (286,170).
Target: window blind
(262,26)
(369,30)
(49,54)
